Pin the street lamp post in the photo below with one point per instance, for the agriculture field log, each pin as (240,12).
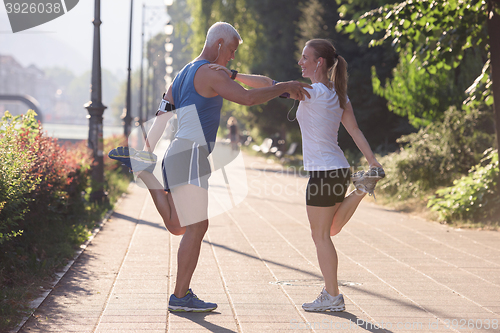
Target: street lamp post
(128,117)
(95,109)
(141,92)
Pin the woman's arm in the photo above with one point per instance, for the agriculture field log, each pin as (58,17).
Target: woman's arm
(351,125)
(254,81)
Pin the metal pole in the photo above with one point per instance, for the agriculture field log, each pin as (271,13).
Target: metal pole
(95,109)
(149,98)
(153,86)
(141,92)
(128,116)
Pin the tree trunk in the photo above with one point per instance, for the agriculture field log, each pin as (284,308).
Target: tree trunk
(494,36)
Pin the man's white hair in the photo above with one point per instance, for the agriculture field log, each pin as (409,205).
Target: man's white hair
(222,30)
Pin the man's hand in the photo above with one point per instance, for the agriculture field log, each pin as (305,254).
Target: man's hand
(296,89)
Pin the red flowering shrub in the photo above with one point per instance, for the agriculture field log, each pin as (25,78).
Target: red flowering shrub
(44,207)
(62,177)
(44,188)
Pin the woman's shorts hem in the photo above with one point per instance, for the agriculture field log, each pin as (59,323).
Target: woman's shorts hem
(326,188)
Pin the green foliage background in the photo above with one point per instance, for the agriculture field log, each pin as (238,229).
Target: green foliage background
(274,33)
(419,75)
(45,213)
(443,85)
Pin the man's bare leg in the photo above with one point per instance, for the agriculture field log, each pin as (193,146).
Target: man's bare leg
(187,256)
(192,206)
(163,202)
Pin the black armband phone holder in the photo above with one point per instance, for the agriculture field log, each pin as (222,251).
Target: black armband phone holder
(165,106)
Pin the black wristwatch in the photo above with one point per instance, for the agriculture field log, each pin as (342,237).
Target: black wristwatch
(233,75)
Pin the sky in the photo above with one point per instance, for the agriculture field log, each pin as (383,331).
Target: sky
(67,41)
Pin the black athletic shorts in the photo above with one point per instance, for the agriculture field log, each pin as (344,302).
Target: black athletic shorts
(326,188)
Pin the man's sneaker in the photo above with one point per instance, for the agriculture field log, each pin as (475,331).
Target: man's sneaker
(189,303)
(325,302)
(366,180)
(136,160)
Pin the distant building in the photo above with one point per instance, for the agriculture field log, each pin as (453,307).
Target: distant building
(18,80)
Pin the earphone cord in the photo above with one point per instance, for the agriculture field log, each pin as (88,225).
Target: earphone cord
(218,54)
(288,114)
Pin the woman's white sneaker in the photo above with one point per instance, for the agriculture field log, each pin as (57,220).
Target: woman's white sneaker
(366,180)
(325,302)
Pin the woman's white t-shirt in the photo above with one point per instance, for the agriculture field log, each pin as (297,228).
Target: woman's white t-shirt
(319,120)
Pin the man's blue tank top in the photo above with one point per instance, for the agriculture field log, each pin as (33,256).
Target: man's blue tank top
(198,116)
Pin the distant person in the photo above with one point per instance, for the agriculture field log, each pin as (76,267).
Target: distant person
(234,132)
(196,95)
(319,118)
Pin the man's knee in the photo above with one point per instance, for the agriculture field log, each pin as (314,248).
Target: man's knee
(199,228)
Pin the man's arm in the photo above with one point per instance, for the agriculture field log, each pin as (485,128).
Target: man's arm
(222,84)
(251,80)
(351,125)
(159,124)
(254,81)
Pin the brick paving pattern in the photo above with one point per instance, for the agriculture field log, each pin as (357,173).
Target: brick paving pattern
(258,262)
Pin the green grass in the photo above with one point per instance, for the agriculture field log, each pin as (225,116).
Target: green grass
(418,207)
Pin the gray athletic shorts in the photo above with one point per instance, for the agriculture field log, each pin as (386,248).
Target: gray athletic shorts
(185,162)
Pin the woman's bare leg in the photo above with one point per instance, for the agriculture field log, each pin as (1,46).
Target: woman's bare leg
(163,202)
(345,211)
(320,219)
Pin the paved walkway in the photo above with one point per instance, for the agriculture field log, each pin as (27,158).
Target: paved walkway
(258,262)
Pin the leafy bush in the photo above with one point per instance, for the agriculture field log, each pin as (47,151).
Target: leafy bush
(41,185)
(472,197)
(44,208)
(15,181)
(437,154)
(422,96)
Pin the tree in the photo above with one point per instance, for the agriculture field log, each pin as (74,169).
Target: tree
(423,97)
(438,33)
(274,33)
(182,36)
(268,32)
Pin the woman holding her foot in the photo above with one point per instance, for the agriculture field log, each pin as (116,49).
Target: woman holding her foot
(319,117)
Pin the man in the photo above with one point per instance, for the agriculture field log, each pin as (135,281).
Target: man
(197,93)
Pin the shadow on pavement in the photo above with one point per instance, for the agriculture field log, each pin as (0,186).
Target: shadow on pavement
(266,260)
(405,304)
(69,293)
(381,296)
(199,318)
(354,323)
(134,220)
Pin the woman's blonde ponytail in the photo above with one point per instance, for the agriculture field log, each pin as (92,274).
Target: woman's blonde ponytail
(339,77)
(335,64)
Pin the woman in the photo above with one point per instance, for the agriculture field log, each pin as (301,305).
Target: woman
(319,118)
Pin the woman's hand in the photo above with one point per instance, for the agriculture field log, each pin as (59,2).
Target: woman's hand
(220,67)
(375,164)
